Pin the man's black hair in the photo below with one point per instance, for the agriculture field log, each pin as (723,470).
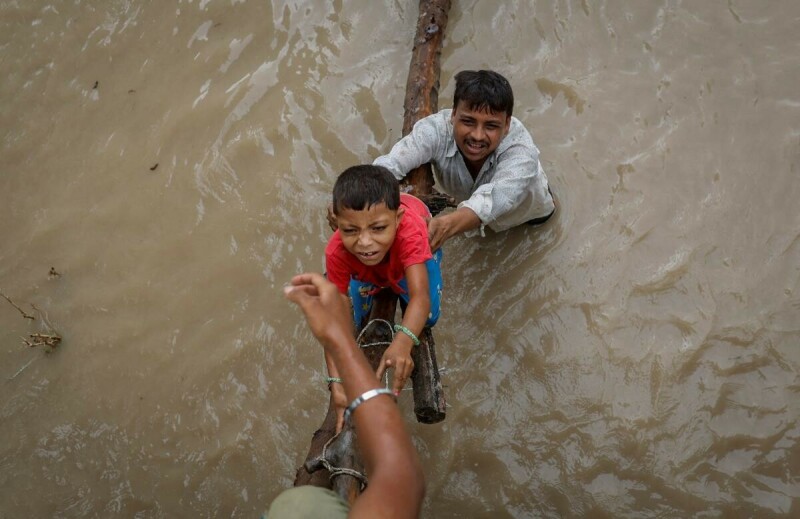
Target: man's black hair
(484,89)
(360,187)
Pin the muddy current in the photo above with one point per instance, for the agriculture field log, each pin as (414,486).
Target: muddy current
(164,171)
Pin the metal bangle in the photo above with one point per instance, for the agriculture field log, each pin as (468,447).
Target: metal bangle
(331,380)
(372,393)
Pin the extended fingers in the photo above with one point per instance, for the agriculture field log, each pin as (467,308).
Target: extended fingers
(308,278)
(312,284)
(297,292)
(401,374)
(435,234)
(382,367)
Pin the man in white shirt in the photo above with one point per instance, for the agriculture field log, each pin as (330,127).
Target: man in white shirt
(481,155)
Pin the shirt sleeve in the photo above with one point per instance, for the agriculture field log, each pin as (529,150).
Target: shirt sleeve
(336,269)
(414,245)
(413,150)
(517,193)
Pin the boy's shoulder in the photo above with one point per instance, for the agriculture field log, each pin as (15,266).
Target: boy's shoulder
(414,204)
(412,232)
(335,245)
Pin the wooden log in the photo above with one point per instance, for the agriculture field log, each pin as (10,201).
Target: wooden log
(429,403)
(422,99)
(422,87)
(310,472)
(341,452)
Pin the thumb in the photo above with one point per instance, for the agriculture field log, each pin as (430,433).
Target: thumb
(297,294)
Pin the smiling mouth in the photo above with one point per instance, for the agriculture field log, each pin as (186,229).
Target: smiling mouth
(475,147)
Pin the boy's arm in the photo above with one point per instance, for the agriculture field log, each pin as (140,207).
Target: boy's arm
(396,486)
(398,355)
(338,397)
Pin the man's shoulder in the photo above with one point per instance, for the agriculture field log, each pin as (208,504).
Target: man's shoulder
(518,139)
(442,115)
(438,122)
(519,132)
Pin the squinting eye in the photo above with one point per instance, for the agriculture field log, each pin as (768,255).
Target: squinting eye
(379,229)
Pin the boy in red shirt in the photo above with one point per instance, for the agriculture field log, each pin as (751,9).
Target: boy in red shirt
(382,242)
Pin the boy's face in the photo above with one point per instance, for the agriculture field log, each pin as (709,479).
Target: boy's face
(478,132)
(369,234)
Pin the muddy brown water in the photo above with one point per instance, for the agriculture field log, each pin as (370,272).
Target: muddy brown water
(635,357)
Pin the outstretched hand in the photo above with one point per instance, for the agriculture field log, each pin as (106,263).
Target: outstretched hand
(443,227)
(438,232)
(325,310)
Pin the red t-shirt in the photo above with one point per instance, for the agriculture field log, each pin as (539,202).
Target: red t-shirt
(410,247)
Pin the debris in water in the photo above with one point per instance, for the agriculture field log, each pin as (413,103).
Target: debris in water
(26,316)
(42,339)
(153,168)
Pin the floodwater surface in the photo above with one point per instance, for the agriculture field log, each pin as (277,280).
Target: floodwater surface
(171,162)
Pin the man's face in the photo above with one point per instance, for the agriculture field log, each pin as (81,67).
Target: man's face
(478,132)
(369,234)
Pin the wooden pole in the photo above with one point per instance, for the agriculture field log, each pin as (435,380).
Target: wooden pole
(422,87)
(422,100)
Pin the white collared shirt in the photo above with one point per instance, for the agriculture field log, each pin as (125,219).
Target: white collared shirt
(510,189)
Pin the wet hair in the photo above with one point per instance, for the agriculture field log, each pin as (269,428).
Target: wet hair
(360,187)
(484,89)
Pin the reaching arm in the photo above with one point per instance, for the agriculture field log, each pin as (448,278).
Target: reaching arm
(396,484)
(415,149)
(398,355)
(338,396)
(442,228)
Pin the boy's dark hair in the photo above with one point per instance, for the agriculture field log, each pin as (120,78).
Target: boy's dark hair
(360,187)
(484,89)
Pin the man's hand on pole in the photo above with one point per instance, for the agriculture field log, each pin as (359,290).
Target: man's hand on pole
(442,228)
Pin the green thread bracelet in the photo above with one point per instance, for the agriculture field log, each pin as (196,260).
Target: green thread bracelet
(401,328)
(331,380)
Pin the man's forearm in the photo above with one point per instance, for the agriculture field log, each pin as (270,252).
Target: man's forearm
(442,228)
(389,455)
(396,480)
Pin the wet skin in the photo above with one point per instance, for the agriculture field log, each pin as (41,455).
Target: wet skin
(368,234)
(478,133)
